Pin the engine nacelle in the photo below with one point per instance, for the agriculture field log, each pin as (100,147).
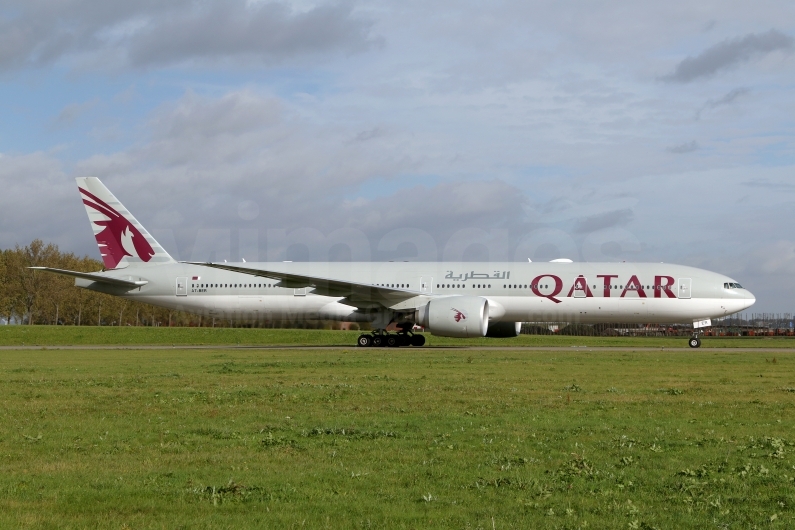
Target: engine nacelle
(501,330)
(456,316)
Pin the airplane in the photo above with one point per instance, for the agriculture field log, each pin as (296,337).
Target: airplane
(489,299)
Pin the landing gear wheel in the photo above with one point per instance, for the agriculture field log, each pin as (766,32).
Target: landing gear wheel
(364,341)
(378,341)
(404,339)
(694,342)
(392,341)
(418,340)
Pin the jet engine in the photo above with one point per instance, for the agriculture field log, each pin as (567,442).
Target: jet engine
(456,316)
(504,329)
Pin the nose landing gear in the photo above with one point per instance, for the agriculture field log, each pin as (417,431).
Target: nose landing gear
(694,342)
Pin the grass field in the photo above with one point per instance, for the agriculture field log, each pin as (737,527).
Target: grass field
(126,336)
(407,438)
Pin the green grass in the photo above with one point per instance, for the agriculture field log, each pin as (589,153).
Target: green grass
(92,335)
(409,438)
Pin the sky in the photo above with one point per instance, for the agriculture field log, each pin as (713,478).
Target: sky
(500,130)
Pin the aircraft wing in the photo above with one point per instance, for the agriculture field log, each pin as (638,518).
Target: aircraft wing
(354,293)
(131,284)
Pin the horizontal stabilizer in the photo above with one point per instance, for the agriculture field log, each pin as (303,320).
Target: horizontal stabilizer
(94,277)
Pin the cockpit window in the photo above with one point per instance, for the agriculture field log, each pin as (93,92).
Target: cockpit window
(732,285)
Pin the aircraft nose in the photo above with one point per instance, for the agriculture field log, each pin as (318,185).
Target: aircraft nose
(749,299)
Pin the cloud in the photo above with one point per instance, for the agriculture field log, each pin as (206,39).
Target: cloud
(213,153)
(727,99)
(770,184)
(776,258)
(152,34)
(233,114)
(35,189)
(687,147)
(70,113)
(265,32)
(368,135)
(601,221)
(729,53)
(247,161)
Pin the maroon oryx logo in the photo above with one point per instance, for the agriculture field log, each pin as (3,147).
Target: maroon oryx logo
(458,316)
(119,238)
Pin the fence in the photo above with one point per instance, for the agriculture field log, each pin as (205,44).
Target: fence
(738,325)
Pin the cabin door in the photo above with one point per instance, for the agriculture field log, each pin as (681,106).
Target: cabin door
(684,287)
(182,286)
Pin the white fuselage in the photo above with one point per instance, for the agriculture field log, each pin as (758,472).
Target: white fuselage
(534,292)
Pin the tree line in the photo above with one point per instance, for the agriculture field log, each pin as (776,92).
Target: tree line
(36,297)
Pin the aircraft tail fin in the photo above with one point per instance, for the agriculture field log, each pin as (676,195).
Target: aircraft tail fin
(121,238)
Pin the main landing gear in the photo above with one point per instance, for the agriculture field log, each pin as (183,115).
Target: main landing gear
(391,340)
